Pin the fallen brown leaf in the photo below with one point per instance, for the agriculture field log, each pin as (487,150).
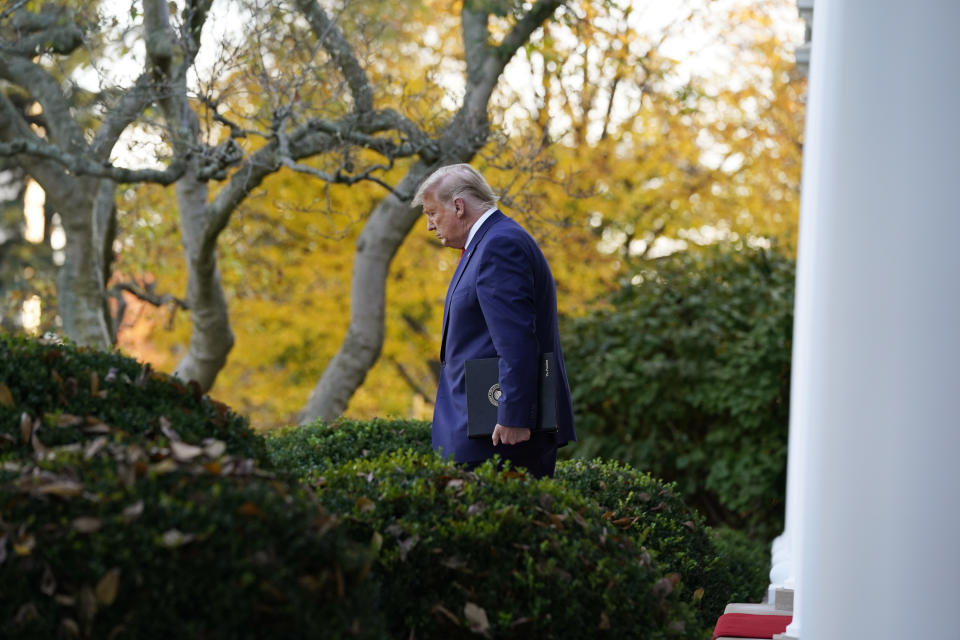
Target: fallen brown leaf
(133,511)
(48,583)
(38,447)
(184,452)
(62,488)
(94,447)
(454,562)
(173,538)
(604,621)
(6,396)
(70,628)
(106,590)
(251,510)
(24,544)
(26,427)
(99,427)
(87,524)
(166,427)
(476,617)
(164,466)
(214,448)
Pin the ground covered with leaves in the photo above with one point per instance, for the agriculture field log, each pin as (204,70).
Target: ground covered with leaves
(133,506)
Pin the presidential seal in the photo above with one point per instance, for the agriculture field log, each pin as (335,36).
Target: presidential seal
(494,395)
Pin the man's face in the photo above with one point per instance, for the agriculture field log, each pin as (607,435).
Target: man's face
(443,220)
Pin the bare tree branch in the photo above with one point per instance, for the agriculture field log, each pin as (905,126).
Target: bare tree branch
(85,166)
(149,296)
(61,39)
(13,127)
(409,379)
(476,37)
(132,104)
(332,39)
(525,27)
(194,17)
(16,6)
(339,177)
(61,127)
(349,130)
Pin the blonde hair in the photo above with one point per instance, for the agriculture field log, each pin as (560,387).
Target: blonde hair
(455,181)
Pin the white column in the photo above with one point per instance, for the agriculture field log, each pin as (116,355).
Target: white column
(878,323)
(787,550)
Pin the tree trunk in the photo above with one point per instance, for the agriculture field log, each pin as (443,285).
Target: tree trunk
(81,285)
(211,338)
(105,232)
(389,224)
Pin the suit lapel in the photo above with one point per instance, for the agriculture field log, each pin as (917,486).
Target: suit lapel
(458,274)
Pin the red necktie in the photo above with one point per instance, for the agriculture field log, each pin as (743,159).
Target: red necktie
(461,253)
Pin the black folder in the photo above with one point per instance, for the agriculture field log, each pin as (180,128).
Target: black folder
(483,395)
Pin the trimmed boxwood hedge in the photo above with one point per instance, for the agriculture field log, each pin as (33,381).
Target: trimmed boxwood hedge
(132,507)
(311,448)
(677,534)
(126,545)
(74,395)
(500,553)
(712,566)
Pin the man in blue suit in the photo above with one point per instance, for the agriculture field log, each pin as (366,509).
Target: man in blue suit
(501,303)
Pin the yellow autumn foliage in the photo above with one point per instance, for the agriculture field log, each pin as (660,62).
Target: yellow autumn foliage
(678,160)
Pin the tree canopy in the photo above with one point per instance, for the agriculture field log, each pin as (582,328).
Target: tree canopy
(291,147)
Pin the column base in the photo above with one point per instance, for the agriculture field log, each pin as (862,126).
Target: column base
(783,600)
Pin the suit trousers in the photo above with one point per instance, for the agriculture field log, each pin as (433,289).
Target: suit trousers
(539,463)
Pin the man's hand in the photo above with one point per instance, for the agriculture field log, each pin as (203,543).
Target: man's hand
(510,435)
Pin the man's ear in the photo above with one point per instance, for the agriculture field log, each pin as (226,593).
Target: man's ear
(459,206)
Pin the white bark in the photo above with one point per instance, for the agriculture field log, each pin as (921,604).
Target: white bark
(65,166)
(383,234)
(211,337)
(80,286)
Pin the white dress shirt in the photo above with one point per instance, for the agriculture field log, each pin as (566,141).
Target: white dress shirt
(479,223)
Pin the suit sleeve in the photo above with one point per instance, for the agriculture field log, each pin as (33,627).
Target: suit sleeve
(506,292)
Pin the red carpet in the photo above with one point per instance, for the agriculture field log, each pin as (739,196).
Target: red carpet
(745,625)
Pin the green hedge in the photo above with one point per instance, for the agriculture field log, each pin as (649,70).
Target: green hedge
(132,507)
(97,547)
(712,575)
(312,448)
(75,395)
(502,554)
(713,567)
(147,513)
(686,373)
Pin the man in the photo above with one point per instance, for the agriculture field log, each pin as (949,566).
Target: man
(501,303)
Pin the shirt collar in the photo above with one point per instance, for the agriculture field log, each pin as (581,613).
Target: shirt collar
(479,223)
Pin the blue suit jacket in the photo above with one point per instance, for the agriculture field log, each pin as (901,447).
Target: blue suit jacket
(501,302)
